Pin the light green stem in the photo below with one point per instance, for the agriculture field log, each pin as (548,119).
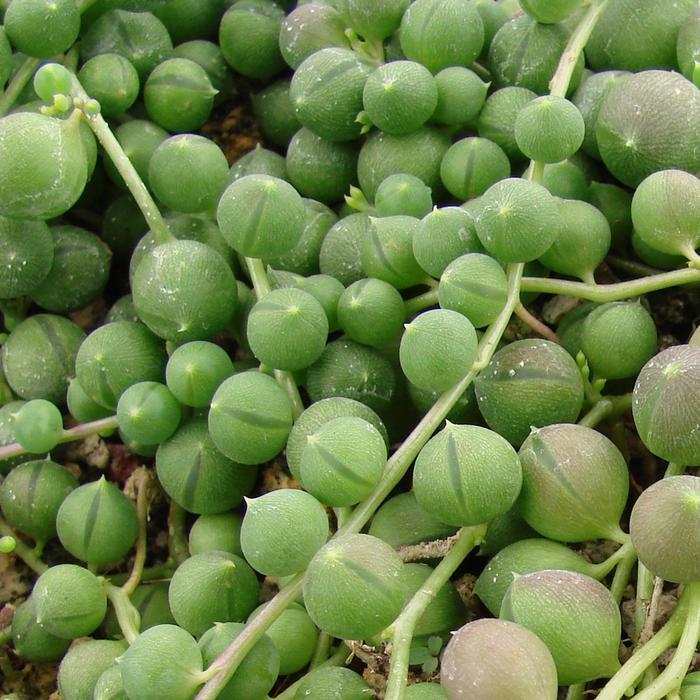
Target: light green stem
(128,616)
(575,692)
(71,435)
(622,575)
(645,588)
(26,554)
(559,85)
(21,78)
(225,665)
(177,540)
(5,634)
(633,668)
(121,161)
(674,469)
(607,407)
(672,676)
(421,302)
(142,503)
(602,293)
(261,286)
(626,551)
(405,623)
(323,647)
(401,460)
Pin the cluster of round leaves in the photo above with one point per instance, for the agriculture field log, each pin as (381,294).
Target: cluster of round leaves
(377,93)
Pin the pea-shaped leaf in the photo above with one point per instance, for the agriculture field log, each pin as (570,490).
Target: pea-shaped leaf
(212,587)
(196,475)
(44,164)
(282,530)
(26,256)
(475,285)
(319,413)
(216,531)
(40,355)
(30,640)
(666,405)
(402,521)
(665,528)
(343,461)
(295,636)
(387,251)
(326,91)
(525,557)
(195,370)
(115,356)
(250,418)
(348,369)
(437,349)
(69,601)
(529,383)
(467,475)
(97,523)
(575,484)
(257,672)
(605,339)
(574,615)
(83,665)
(333,684)
(31,495)
(353,587)
(489,659)
(163,661)
(549,129)
(294,315)
(184,290)
(518,220)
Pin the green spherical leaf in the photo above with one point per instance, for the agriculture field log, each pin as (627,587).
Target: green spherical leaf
(467,475)
(521,558)
(437,349)
(212,587)
(574,615)
(497,659)
(666,405)
(606,335)
(353,588)
(575,483)
(69,601)
(261,216)
(250,418)
(529,383)
(97,523)
(31,495)
(343,461)
(166,660)
(664,527)
(282,530)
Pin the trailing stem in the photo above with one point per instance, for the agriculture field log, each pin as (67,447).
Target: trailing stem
(128,616)
(647,654)
(26,554)
(17,84)
(602,293)
(71,435)
(404,625)
(132,179)
(144,482)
